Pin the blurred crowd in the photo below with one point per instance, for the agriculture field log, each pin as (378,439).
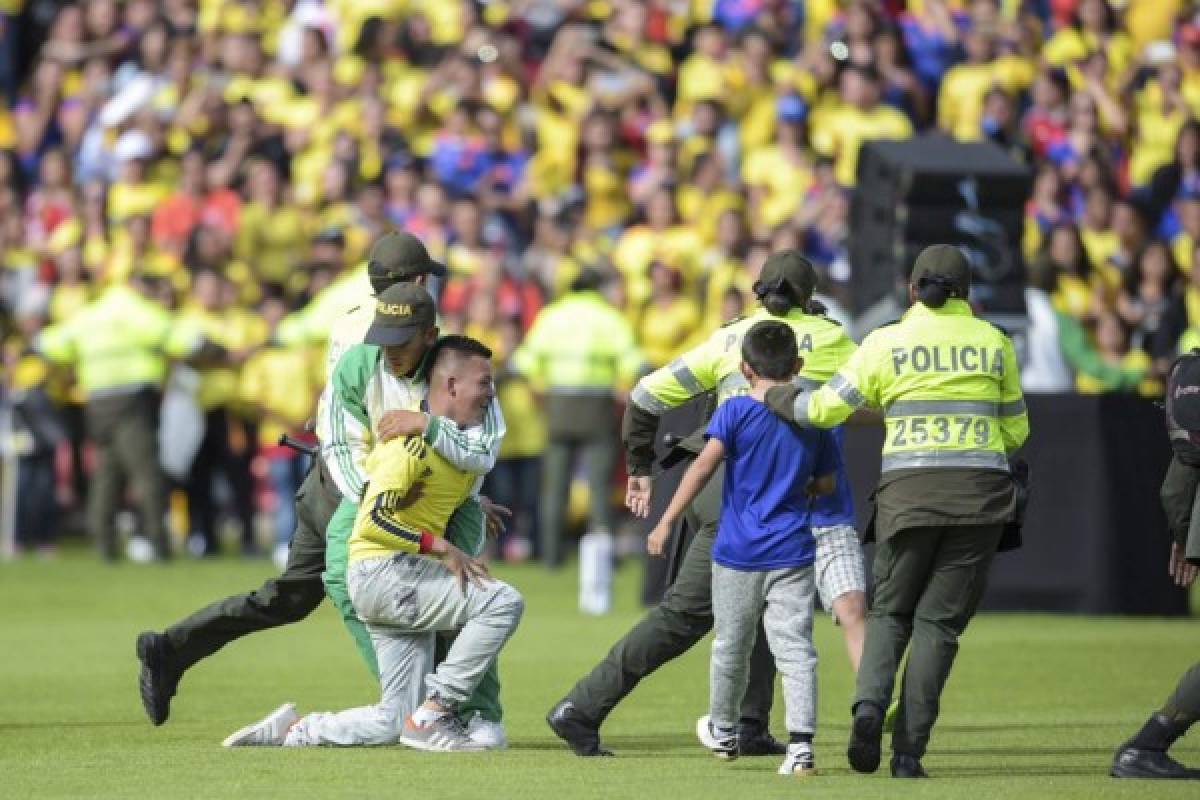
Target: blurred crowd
(236,159)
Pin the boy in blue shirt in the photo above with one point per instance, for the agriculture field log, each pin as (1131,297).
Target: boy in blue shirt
(764,551)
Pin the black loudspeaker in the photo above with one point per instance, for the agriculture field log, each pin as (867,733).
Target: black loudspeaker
(933,190)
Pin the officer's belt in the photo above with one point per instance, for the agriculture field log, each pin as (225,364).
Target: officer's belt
(975,408)
(926,459)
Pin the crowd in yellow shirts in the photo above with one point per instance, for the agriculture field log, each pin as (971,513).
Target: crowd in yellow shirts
(241,156)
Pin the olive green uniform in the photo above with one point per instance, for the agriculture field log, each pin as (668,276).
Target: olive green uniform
(949,388)
(1181,502)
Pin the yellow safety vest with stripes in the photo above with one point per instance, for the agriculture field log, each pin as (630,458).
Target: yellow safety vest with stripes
(947,383)
(823,346)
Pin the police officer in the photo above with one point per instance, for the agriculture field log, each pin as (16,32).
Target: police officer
(684,616)
(948,386)
(120,345)
(1145,755)
(581,355)
(345,314)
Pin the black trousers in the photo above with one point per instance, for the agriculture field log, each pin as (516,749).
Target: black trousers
(290,597)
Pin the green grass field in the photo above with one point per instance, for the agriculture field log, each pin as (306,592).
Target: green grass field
(1034,708)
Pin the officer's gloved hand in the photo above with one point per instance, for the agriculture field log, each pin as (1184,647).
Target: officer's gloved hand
(816,308)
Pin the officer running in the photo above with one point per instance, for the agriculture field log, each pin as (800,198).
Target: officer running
(949,388)
(684,616)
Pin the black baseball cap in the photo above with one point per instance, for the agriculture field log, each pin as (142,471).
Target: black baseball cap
(790,268)
(401,312)
(943,261)
(397,255)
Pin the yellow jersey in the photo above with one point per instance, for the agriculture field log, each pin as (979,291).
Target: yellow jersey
(387,522)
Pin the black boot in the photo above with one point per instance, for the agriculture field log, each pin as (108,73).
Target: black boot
(576,730)
(906,766)
(756,740)
(865,734)
(159,676)
(1145,755)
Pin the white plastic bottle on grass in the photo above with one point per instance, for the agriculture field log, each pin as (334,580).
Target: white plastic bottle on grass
(595,572)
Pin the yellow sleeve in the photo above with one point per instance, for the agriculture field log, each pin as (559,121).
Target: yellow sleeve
(397,467)
(851,388)
(57,344)
(529,358)
(691,374)
(1014,420)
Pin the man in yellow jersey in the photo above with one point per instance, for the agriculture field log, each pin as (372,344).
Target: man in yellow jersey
(408,583)
(342,313)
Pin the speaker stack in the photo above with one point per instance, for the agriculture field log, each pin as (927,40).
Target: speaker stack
(932,190)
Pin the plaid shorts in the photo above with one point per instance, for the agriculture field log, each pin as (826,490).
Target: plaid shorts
(839,563)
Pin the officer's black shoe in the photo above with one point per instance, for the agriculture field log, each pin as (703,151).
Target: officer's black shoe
(576,730)
(159,676)
(906,766)
(754,740)
(865,734)
(1130,762)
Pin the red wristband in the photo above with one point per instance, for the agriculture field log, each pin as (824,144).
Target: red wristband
(426,542)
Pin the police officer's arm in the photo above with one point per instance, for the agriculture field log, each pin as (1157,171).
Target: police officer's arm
(343,424)
(57,344)
(1014,421)
(853,387)
(473,449)
(689,375)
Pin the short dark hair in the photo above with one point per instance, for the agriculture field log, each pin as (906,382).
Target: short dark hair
(769,348)
(459,345)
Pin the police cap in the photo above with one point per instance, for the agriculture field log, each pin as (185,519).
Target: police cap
(401,312)
(943,261)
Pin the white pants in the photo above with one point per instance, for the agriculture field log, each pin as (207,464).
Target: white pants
(405,600)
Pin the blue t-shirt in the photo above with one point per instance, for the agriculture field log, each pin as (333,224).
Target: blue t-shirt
(834,509)
(765,518)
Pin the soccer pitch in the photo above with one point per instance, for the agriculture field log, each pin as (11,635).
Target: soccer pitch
(1034,708)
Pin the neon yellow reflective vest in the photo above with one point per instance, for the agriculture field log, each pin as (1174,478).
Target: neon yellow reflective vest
(579,343)
(119,342)
(947,383)
(822,344)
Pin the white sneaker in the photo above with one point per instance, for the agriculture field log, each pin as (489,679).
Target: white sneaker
(799,760)
(270,731)
(487,733)
(447,733)
(722,744)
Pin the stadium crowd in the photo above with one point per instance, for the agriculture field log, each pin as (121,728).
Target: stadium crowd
(237,159)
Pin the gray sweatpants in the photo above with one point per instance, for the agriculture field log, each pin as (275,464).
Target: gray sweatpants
(405,600)
(783,599)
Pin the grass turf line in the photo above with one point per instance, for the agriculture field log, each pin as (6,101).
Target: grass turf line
(1034,707)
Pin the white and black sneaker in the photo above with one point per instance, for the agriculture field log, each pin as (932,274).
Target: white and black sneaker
(799,760)
(444,734)
(721,741)
(270,731)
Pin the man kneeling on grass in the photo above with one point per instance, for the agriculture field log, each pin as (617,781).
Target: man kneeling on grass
(764,551)
(408,583)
